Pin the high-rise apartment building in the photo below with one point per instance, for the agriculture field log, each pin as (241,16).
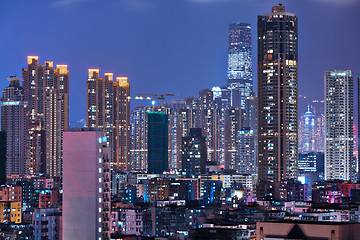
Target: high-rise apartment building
(61,84)
(139,133)
(86,174)
(138,138)
(239,63)
(34,88)
(320,126)
(358,157)
(339,159)
(52,129)
(121,108)
(47,93)
(213,107)
(245,152)
(219,123)
(277,95)
(108,107)
(193,153)
(37,80)
(14,123)
(157,142)
(2,157)
(36,152)
(233,125)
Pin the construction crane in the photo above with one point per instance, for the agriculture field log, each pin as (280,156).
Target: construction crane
(150,96)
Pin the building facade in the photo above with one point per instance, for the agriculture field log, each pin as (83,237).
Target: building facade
(46,91)
(46,223)
(2,157)
(157,142)
(239,63)
(14,123)
(87,190)
(193,153)
(339,159)
(108,107)
(277,95)
(138,139)
(307,138)
(245,152)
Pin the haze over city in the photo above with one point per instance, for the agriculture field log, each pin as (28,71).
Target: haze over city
(166,45)
(179,119)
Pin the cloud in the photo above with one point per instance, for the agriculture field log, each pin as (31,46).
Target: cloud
(81,122)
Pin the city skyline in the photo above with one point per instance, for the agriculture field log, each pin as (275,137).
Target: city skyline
(212,39)
(204,134)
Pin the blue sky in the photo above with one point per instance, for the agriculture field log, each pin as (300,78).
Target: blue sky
(170,46)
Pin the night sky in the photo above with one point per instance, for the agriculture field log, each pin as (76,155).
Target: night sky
(167,46)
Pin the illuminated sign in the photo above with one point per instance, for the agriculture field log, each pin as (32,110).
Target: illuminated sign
(10,103)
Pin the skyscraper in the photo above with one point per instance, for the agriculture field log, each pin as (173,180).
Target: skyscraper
(2,157)
(193,153)
(239,63)
(86,198)
(245,152)
(34,88)
(320,126)
(339,159)
(36,152)
(14,123)
(121,108)
(233,125)
(47,93)
(53,129)
(358,157)
(277,95)
(157,142)
(138,139)
(108,107)
(307,133)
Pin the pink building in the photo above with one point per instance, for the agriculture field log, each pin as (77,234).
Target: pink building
(332,196)
(128,221)
(10,193)
(86,187)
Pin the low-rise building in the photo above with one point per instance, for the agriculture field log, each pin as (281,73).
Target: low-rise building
(46,223)
(307,230)
(10,212)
